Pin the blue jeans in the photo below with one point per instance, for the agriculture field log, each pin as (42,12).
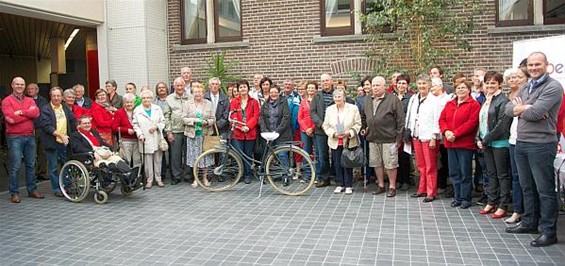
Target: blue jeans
(460,171)
(308,143)
(517,195)
(535,169)
(245,147)
(18,147)
(54,157)
(322,157)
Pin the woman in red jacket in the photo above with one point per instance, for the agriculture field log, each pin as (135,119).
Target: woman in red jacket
(103,115)
(458,123)
(123,118)
(307,126)
(246,111)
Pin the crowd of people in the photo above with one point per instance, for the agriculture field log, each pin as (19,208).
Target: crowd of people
(506,122)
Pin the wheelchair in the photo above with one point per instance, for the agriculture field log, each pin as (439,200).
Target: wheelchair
(79,175)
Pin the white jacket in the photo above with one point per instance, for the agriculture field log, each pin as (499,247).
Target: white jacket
(423,123)
(141,124)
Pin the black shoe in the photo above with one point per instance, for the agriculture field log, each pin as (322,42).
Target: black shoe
(286,181)
(59,194)
(42,178)
(482,201)
(455,204)
(323,184)
(543,241)
(417,195)
(247,181)
(175,181)
(426,199)
(465,205)
(521,229)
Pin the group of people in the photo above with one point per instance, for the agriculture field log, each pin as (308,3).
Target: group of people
(513,135)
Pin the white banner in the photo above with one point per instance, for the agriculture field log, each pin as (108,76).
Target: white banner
(553,47)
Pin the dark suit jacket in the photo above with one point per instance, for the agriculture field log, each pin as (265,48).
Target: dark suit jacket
(222,111)
(40,102)
(48,125)
(79,144)
(87,103)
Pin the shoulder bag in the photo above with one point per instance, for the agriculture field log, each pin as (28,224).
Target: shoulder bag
(353,157)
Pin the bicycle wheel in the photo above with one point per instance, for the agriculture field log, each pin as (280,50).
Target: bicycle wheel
(74,181)
(223,171)
(290,170)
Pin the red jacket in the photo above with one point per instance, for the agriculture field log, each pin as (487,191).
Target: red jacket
(79,111)
(122,124)
(102,118)
(20,125)
(463,121)
(304,118)
(251,116)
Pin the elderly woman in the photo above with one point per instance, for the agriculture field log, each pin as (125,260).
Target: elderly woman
(103,115)
(245,110)
(307,126)
(494,131)
(342,122)
(198,119)
(69,96)
(87,139)
(148,123)
(458,123)
(122,125)
(422,121)
(403,93)
(518,77)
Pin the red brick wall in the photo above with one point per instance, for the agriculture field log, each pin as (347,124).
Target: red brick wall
(280,35)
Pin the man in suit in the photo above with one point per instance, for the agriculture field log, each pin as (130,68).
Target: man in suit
(221,105)
(57,122)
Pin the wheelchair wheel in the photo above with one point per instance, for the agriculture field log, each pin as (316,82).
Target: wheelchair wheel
(74,181)
(224,172)
(286,175)
(126,191)
(100,197)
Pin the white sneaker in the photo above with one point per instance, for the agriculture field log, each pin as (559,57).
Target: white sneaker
(338,190)
(348,190)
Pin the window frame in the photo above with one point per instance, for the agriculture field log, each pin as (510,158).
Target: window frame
(550,21)
(510,23)
(184,39)
(217,37)
(350,30)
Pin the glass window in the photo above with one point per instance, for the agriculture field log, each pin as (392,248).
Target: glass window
(228,20)
(337,18)
(514,12)
(194,21)
(554,11)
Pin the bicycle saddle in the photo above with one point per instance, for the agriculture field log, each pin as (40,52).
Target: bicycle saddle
(270,136)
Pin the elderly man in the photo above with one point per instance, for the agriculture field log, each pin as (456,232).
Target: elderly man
(320,103)
(41,162)
(383,125)
(536,106)
(57,122)
(19,112)
(293,100)
(80,99)
(220,105)
(174,128)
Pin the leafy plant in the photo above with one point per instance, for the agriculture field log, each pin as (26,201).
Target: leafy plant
(424,32)
(220,68)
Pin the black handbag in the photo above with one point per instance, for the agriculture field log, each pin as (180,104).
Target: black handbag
(353,157)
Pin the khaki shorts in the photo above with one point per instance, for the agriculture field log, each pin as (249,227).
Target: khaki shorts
(380,154)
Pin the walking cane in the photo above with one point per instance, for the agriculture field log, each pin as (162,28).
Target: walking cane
(366,167)
(142,168)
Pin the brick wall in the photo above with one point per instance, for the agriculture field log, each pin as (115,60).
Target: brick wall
(281,45)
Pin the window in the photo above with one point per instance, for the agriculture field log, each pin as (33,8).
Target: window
(529,12)
(337,17)
(198,25)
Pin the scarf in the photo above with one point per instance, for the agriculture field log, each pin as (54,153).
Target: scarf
(90,137)
(106,105)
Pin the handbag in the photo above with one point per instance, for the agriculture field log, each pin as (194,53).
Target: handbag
(163,145)
(353,157)
(211,141)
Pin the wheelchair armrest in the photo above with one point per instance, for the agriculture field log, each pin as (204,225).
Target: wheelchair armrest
(85,157)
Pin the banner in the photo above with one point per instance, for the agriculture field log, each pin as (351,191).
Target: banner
(552,47)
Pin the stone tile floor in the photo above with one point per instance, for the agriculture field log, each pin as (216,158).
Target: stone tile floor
(178,225)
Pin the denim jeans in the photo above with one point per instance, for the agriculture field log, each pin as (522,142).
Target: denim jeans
(517,195)
(498,172)
(54,158)
(245,147)
(460,171)
(343,175)
(535,169)
(307,143)
(322,157)
(18,147)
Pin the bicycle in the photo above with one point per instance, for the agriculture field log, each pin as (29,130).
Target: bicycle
(284,174)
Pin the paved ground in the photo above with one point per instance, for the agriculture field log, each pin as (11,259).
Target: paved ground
(178,225)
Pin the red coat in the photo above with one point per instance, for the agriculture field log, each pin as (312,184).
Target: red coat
(102,118)
(122,124)
(251,116)
(304,118)
(79,111)
(463,121)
